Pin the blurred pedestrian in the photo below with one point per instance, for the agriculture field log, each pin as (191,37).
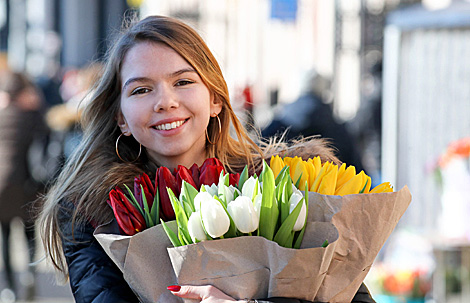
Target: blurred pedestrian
(310,115)
(20,120)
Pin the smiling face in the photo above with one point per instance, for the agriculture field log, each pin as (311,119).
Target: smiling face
(165,105)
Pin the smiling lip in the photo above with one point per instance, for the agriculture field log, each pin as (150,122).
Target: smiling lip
(169,125)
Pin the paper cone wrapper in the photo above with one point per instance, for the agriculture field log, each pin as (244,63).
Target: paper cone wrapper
(356,226)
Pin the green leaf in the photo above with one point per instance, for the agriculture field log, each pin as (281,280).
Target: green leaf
(133,200)
(147,217)
(155,210)
(180,215)
(222,187)
(281,174)
(300,236)
(171,235)
(297,183)
(325,244)
(269,212)
(285,197)
(243,177)
(184,236)
(188,208)
(364,188)
(189,192)
(285,234)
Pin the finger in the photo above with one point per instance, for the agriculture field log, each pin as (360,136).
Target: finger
(189,292)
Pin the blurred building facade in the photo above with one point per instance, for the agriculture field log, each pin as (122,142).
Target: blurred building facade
(426,101)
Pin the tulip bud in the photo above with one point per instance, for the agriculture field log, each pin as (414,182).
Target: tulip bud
(251,188)
(148,190)
(129,219)
(295,198)
(276,164)
(201,197)
(382,188)
(184,174)
(227,193)
(195,174)
(211,162)
(215,219)
(345,175)
(210,174)
(353,186)
(212,190)
(243,214)
(328,183)
(298,172)
(166,179)
(196,231)
(234,179)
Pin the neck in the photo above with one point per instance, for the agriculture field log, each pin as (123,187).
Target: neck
(185,160)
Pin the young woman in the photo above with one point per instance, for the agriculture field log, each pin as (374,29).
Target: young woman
(161,101)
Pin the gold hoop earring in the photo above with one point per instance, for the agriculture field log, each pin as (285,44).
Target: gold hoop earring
(117,150)
(220,130)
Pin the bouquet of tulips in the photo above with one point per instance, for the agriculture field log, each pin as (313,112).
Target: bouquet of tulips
(301,229)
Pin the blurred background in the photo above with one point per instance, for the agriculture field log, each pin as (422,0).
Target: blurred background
(387,81)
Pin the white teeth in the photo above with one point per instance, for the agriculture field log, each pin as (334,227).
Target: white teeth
(168,126)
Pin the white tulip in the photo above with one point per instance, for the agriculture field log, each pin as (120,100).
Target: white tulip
(230,193)
(244,214)
(257,204)
(196,231)
(201,197)
(215,219)
(296,197)
(212,190)
(251,188)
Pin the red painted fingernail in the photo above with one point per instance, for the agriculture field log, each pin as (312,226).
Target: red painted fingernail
(174,288)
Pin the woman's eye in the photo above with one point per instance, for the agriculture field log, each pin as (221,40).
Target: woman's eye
(139,91)
(184,82)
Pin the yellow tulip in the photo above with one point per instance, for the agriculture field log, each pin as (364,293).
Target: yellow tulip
(353,186)
(311,172)
(347,175)
(287,161)
(323,171)
(382,188)
(316,161)
(298,170)
(276,165)
(341,170)
(328,183)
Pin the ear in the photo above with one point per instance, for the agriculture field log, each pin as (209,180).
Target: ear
(121,122)
(216,105)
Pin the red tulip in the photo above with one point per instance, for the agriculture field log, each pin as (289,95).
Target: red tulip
(209,162)
(195,174)
(210,171)
(233,179)
(210,175)
(129,219)
(166,179)
(149,190)
(184,174)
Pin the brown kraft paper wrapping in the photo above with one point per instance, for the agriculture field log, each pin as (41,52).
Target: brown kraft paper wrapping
(356,226)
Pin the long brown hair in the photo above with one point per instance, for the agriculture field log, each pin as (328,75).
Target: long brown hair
(94,168)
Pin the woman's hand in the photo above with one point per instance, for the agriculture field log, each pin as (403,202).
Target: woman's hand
(206,294)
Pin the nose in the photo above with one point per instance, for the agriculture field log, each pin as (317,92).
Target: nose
(166,99)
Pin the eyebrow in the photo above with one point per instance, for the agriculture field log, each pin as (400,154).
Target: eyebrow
(171,75)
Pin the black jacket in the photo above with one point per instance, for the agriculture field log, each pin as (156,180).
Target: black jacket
(95,278)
